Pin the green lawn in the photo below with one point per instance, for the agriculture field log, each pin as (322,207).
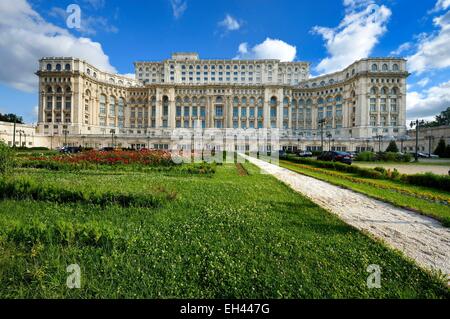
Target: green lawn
(430,202)
(229,235)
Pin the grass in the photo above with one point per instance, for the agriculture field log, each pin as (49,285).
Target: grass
(429,202)
(226,235)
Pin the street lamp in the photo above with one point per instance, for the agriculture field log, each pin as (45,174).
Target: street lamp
(329,136)
(417,124)
(379,138)
(321,123)
(20,137)
(112,137)
(65,132)
(429,138)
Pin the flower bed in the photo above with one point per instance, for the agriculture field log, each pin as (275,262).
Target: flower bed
(146,157)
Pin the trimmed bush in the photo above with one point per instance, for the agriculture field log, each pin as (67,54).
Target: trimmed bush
(365,157)
(428,180)
(21,189)
(392,148)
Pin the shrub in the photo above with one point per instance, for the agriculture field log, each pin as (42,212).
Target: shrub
(428,180)
(365,157)
(382,170)
(6,159)
(392,148)
(440,149)
(395,174)
(28,189)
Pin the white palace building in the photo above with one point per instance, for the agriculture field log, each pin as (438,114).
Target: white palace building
(349,110)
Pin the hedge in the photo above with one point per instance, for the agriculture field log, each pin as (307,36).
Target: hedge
(431,180)
(428,180)
(21,189)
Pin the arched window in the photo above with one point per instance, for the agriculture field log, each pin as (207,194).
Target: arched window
(67,67)
(235,101)
(338,98)
(394,91)
(219,99)
(58,67)
(273,101)
(187,100)
(395,67)
(373,90)
(102,105)
(385,67)
(68,90)
(58,89)
(384,91)
(121,112)
(112,106)
(252,101)
(49,89)
(244,101)
(285,101)
(374,67)
(320,101)
(49,67)
(322,83)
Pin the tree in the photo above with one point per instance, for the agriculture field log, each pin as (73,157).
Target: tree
(11,118)
(440,120)
(447,152)
(392,148)
(440,149)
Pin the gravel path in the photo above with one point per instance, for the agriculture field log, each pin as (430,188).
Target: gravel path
(421,238)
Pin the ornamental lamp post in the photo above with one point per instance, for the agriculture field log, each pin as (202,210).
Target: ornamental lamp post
(329,136)
(65,132)
(112,137)
(429,138)
(321,123)
(379,138)
(417,124)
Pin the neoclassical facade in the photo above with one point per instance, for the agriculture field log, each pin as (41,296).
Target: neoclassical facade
(80,104)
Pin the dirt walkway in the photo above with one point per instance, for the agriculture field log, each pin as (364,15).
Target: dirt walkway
(421,238)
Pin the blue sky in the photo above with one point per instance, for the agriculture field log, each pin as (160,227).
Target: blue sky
(328,33)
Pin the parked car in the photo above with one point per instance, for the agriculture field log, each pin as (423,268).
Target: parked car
(304,153)
(426,155)
(106,149)
(334,156)
(70,149)
(352,154)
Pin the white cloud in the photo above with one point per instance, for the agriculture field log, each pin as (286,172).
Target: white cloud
(441,5)
(38,39)
(269,49)
(89,24)
(433,50)
(178,7)
(355,37)
(428,103)
(129,75)
(230,23)
(424,82)
(402,48)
